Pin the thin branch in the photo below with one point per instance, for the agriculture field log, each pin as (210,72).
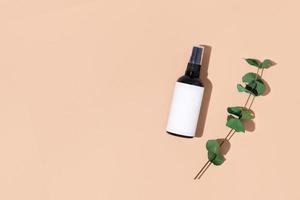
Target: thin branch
(257,73)
(202,169)
(251,103)
(247,100)
(208,162)
(226,137)
(262,71)
(230,133)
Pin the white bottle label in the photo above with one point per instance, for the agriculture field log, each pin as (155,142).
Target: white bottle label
(185,109)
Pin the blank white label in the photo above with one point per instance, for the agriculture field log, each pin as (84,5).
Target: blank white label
(185,109)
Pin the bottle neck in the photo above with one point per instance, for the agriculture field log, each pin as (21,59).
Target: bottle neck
(193,70)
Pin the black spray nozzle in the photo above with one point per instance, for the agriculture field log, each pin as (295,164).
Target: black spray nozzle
(197,54)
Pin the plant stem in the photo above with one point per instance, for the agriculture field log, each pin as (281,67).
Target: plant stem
(208,163)
(257,73)
(202,169)
(247,100)
(229,135)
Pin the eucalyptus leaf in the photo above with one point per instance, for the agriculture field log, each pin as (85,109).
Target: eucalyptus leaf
(241,88)
(251,86)
(235,110)
(211,156)
(266,63)
(213,146)
(240,112)
(218,160)
(235,124)
(260,87)
(249,77)
(246,114)
(253,62)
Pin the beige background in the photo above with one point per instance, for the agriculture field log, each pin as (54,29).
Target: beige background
(86,87)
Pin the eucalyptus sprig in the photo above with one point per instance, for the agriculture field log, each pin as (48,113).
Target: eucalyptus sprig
(254,86)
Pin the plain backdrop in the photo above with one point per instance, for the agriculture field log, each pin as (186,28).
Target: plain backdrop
(85,90)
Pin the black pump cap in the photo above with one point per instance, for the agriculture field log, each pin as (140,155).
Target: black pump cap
(197,54)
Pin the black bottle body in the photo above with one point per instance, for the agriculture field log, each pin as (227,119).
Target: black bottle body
(191,75)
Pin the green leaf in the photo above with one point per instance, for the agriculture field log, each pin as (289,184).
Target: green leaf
(213,146)
(240,112)
(241,88)
(255,87)
(260,87)
(211,155)
(219,160)
(235,110)
(249,77)
(235,124)
(253,62)
(246,89)
(214,154)
(216,159)
(251,86)
(246,114)
(266,63)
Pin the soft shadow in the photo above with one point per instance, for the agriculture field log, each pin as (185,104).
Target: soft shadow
(225,145)
(207,91)
(249,125)
(268,88)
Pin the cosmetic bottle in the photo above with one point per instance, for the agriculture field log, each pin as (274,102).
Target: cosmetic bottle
(187,98)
